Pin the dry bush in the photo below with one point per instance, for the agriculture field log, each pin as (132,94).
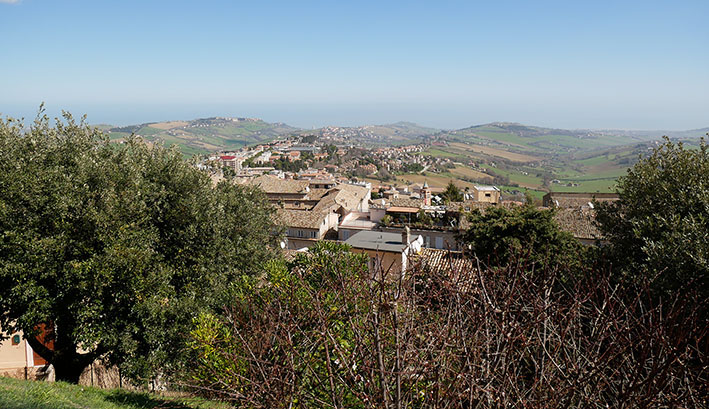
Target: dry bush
(505,337)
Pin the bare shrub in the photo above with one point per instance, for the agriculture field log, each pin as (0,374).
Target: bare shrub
(329,334)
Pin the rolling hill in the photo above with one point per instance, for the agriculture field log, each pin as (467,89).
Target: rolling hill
(511,155)
(219,133)
(525,139)
(517,157)
(206,134)
(391,134)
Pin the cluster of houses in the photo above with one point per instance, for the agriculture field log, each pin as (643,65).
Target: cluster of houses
(401,220)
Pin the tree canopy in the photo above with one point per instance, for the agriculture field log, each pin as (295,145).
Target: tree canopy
(500,234)
(452,193)
(659,229)
(115,248)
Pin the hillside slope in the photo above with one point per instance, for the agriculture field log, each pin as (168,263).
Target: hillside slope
(545,141)
(391,134)
(217,133)
(206,134)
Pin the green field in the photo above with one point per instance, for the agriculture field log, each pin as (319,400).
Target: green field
(205,135)
(585,170)
(20,394)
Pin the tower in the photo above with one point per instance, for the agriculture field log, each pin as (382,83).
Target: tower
(426,194)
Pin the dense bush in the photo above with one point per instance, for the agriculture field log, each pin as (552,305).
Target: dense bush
(658,232)
(500,233)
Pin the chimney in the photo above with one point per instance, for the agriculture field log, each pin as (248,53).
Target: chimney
(406,236)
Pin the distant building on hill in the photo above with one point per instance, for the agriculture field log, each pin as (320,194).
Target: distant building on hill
(485,194)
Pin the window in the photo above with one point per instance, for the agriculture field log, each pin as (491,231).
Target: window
(487,194)
(439,242)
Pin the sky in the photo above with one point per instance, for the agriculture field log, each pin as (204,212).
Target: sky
(567,64)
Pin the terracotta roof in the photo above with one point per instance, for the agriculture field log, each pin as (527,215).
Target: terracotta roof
(321,181)
(576,199)
(302,219)
(406,202)
(317,194)
(435,259)
(459,268)
(272,184)
(579,222)
(327,202)
(345,195)
(350,196)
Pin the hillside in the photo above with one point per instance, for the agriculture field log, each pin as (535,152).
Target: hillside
(20,394)
(214,134)
(515,137)
(518,157)
(206,134)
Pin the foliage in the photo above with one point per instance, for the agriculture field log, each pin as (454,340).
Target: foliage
(324,333)
(500,232)
(287,165)
(452,193)
(411,167)
(659,229)
(237,356)
(424,218)
(386,220)
(116,247)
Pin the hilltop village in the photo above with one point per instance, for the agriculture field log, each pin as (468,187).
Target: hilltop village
(327,190)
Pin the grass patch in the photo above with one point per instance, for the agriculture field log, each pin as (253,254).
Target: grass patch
(464,171)
(20,394)
(438,153)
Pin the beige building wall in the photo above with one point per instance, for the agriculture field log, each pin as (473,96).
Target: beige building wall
(389,261)
(486,196)
(435,239)
(15,356)
(295,243)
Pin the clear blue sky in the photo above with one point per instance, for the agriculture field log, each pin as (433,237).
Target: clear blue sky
(574,64)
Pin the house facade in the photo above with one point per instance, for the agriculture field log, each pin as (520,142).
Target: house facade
(19,360)
(485,194)
(388,253)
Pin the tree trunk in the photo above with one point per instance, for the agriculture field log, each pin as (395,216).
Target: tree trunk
(68,371)
(67,362)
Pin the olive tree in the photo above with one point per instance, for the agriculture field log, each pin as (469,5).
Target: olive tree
(115,248)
